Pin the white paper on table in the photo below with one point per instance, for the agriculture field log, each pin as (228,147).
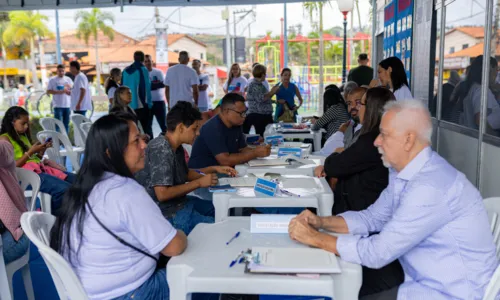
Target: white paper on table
(248,181)
(282,161)
(301,183)
(270,223)
(294,260)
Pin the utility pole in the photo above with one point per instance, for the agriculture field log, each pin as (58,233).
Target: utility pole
(246,13)
(225,16)
(285,37)
(58,39)
(161,42)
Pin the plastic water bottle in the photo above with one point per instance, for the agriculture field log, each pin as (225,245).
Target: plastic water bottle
(252,130)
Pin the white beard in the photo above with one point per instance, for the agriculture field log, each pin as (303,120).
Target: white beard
(384,161)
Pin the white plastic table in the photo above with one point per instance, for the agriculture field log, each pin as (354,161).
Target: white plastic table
(293,169)
(204,267)
(320,197)
(305,151)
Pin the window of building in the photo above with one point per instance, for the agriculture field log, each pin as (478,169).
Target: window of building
(201,56)
(461,92)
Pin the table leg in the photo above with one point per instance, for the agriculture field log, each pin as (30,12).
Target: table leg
(221,209)
(317,141)
(347,286)
(325,205)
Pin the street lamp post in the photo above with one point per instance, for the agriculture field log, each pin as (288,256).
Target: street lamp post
(345,6)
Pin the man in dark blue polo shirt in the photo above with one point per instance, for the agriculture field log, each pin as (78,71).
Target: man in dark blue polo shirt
(221,140)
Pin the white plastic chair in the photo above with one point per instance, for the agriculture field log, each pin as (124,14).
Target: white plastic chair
(37,226)
(69,150)
(85,127)
(26,178)
(493,208)
(77,120)
(53,124)
(4,282)
(493,288)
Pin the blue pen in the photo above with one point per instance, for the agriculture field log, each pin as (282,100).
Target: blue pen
(235,236)
(200,172)
(236,259)
(285,192)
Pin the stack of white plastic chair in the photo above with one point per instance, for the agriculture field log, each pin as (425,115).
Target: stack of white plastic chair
(52,124)
(85,128)
(37,227)
(59,139)
(26,178)
(493,208)
(78,120)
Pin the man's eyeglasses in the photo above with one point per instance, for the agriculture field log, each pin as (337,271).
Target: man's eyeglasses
(357,102)
(242,114)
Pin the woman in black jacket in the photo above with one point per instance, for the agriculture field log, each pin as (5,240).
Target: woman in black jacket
(361,179)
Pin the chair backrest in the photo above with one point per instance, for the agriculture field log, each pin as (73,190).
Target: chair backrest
(29,178)
(52,124)
(493,208)
(37,226)
(493,288)
(85,127)
(77,120)
(57,140)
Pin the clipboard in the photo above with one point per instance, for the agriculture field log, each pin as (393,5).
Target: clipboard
(266,260)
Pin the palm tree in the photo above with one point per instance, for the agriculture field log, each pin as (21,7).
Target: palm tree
(4,22)
(313,9)
(26,26)
(90,24)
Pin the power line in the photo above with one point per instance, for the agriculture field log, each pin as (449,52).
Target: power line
(146,27)
(465,18)
(196,28)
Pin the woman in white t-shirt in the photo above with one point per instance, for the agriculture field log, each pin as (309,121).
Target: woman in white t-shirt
(112,246)
(392,74)
(113,82)
(235,83)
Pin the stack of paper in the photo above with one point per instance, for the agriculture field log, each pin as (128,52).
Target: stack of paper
(293,261)
(248,181)
(282,161)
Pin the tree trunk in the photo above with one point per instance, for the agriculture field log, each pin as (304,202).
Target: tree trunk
(4,59)
(36,84)
(43,66)
(321,58)
(97,67)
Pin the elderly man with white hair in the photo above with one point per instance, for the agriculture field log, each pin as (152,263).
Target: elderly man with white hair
(430,217)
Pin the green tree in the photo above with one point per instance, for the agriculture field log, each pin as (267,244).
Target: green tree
(4,23)
(26,26)
(315,10)
(90,23)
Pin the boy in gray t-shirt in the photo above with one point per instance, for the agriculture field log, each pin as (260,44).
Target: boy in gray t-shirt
(167,178)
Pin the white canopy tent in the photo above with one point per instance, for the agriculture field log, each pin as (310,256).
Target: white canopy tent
(6,5)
